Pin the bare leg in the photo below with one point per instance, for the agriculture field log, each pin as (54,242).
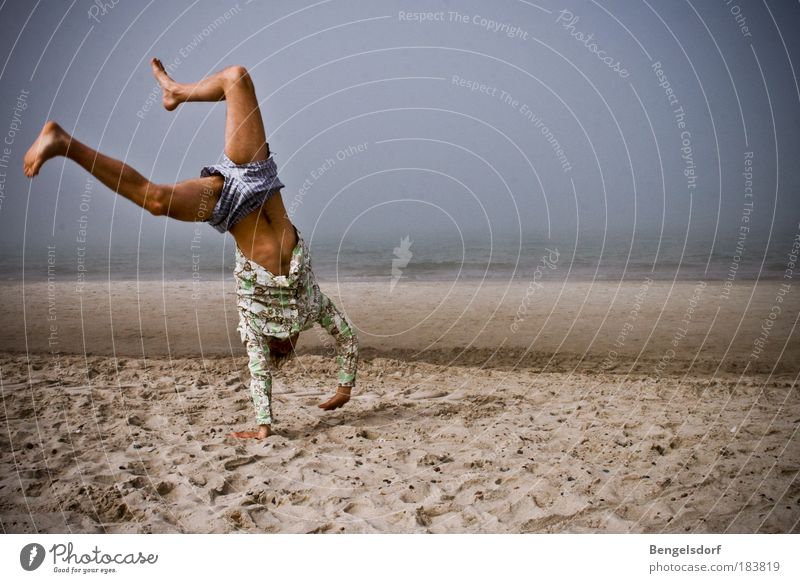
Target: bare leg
(245,138)
(191,200)
(266,237)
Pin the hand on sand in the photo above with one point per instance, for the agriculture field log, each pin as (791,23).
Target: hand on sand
(338,400)
(263,432)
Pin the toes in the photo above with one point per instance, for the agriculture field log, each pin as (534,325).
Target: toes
(158,67)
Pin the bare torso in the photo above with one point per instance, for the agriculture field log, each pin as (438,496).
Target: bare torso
(267,236)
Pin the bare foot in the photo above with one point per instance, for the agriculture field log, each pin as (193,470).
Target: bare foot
(338,400)
(168,86)
(52,141)
(263,432)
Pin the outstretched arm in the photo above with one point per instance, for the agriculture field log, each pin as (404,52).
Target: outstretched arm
(337,325)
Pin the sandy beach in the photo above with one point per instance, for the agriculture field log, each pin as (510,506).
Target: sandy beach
(650,406)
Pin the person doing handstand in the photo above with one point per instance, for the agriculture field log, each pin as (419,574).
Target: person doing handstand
(277,294)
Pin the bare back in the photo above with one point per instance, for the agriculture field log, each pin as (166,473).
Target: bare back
(267,236)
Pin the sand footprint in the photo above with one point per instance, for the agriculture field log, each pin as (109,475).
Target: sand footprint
(239,462)
(416,494)
(428,394)
(218,486)
(364,509)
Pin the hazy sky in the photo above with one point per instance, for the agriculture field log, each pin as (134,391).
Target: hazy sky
(503,117)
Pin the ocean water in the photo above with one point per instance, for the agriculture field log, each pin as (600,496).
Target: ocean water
(424,258)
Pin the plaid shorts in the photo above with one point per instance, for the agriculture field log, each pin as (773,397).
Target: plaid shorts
(246,188)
